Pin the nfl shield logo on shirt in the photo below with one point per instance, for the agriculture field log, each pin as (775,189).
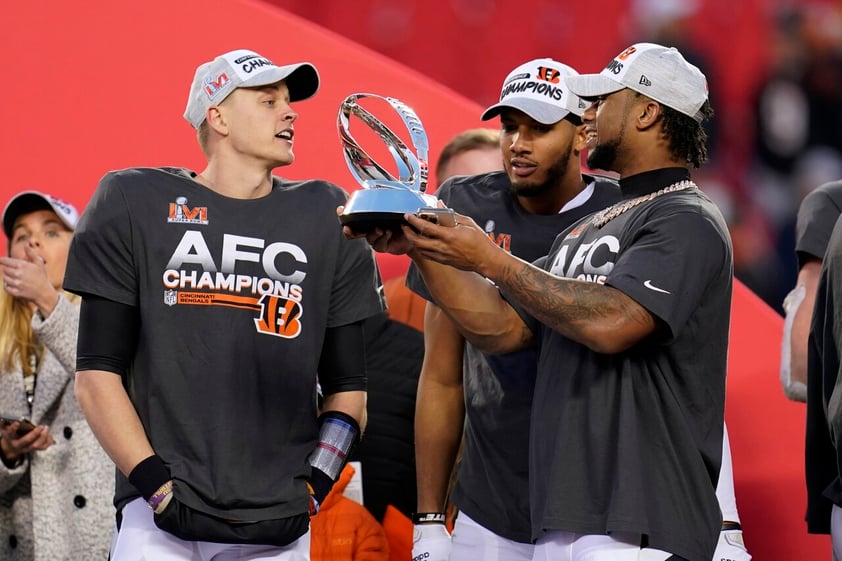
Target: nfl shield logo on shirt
(170,297)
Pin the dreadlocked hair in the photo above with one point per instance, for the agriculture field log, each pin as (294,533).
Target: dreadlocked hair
(687,137)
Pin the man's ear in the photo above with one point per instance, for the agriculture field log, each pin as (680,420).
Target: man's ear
(649,113)
(215,117)
(580,139)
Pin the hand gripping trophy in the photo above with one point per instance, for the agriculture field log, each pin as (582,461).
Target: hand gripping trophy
(384,199)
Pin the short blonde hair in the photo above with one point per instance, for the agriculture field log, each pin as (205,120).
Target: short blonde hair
(202,135)
(471,139)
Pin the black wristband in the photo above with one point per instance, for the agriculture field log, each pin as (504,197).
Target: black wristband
(428,518)
(321,484)
(729,525)
(149,475)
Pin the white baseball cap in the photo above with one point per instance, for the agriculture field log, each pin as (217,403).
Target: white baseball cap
(30,201)
(539,89)
(655,71)
(215,80)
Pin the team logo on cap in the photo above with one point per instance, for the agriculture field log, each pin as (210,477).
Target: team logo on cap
(548,74)
(616,65)
(627,53)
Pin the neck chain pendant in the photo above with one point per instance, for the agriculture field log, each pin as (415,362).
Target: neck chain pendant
(605,216)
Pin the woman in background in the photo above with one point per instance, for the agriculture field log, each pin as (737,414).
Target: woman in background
(56,482)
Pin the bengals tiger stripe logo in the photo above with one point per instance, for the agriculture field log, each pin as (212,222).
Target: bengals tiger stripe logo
(279,316)
(548,74)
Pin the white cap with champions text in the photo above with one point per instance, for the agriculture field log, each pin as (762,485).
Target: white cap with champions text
(658,72)
(215,80)
(539,89)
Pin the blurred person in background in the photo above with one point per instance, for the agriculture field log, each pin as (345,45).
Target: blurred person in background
(823,451)
(470,152)
(797,145)
(56,482)
(817,215)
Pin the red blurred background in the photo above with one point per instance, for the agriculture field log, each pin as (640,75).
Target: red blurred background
(471,45)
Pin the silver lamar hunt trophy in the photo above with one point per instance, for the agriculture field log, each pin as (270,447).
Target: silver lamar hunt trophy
(384,199)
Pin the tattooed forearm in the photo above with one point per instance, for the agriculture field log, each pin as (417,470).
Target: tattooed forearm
(598,316)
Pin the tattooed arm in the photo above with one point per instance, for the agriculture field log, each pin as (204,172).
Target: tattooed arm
(600,317)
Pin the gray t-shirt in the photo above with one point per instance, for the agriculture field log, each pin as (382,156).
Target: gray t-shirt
(234,299)
(632,442)
(824,392)
(816,216)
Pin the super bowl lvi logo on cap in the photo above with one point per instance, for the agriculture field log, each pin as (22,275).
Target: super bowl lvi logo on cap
(538,89)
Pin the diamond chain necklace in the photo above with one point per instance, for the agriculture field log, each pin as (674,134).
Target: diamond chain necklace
(605,216)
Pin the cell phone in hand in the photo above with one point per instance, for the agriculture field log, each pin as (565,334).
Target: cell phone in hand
(25,424)
(440,216)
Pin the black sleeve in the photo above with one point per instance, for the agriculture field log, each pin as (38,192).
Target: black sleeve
(342,364)
(108,333)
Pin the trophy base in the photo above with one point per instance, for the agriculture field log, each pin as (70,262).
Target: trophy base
(382,208)
(368,221)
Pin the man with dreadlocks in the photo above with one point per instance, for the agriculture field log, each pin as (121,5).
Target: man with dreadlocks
(630,309)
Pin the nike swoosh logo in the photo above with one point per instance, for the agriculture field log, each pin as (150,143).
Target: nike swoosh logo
(648,284)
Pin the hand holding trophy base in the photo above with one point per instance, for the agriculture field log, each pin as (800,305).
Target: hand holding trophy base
(382,207)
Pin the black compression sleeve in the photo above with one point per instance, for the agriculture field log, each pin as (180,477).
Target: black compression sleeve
(342,363)
(108,333)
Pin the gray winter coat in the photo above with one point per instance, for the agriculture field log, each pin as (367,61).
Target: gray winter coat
(57,505)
